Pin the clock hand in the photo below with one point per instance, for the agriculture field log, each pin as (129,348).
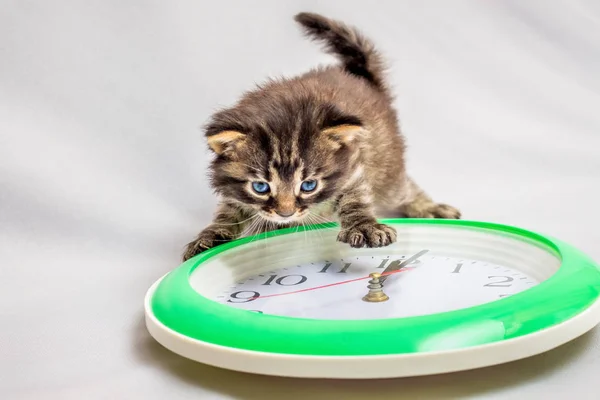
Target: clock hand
(376,294)
(396,265)
(328,285)
(393,268)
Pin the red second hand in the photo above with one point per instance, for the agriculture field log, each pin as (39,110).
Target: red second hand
(332,284)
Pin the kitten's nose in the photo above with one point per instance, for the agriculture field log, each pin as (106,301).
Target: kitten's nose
(285,213)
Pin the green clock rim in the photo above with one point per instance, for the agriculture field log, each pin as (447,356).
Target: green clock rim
(568,292)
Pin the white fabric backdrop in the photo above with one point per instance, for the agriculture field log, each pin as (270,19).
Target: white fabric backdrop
(102,169)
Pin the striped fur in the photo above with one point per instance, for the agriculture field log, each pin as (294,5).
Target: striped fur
(333,124)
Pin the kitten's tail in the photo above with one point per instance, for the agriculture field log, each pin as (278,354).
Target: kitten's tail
(356,52)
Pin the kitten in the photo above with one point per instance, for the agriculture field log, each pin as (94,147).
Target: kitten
(325,141)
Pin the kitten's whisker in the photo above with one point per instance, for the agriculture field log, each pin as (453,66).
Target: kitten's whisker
(306,236)
(258,237)
(307,226)
(318,231)
(253,226)
(319,217)
(235,223)
(298,228)
(267,228)
(248,229)
(310,223)
(314,220)
(321,220)
(257,230)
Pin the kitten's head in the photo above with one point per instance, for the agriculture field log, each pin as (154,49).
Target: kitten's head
(280,158)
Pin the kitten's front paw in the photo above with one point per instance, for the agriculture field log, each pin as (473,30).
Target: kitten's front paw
(369,234)
(205,240)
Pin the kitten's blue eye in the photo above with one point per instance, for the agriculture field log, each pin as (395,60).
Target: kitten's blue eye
(308,186)
(260,187)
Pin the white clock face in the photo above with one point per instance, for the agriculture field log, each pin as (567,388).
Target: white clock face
(311,275)
(334,288)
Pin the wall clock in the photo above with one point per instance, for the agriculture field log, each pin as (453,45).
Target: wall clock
(449,295)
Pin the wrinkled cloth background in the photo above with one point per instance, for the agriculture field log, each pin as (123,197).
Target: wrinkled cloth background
(103,170)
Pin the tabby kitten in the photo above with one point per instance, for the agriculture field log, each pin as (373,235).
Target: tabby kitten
(327,141)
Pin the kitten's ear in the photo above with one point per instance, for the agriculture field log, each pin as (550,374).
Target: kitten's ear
(339,127)
(343,134)
(225,141)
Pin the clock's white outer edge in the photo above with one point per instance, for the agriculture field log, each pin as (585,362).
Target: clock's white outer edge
(370,367)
